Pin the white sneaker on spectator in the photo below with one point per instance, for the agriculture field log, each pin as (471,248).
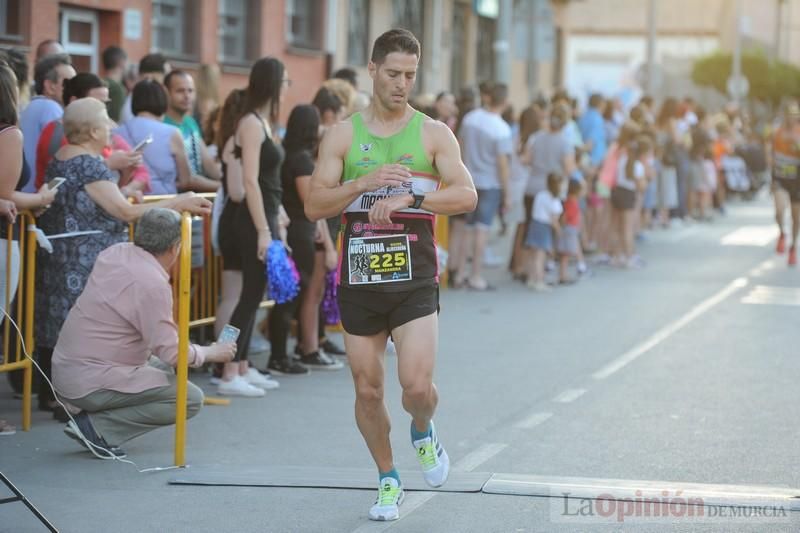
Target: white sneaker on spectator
(238,386)
(256,379)
(214,380)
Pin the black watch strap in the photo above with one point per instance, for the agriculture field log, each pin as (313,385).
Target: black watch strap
(418,199)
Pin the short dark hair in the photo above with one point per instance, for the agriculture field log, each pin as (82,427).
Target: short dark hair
(264,85)
(396,40)
(45,69)
(80,85)
(554,183)
(149,96)
(499,94)
(18,62)
(153,64)
(302,129)
(596,100)
(325,100)
(8,95)
(485,87)
(113,56)
(347,74)
(173,74)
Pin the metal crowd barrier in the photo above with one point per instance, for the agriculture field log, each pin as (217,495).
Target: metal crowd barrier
(20,307)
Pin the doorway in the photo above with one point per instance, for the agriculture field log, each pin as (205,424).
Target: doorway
(80,37)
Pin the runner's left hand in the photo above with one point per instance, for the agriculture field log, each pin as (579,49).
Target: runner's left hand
(382,211)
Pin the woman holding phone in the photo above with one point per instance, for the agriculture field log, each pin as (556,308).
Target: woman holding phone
(92,212)
(257,219)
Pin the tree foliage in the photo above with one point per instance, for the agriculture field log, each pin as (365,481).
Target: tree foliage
(769,81)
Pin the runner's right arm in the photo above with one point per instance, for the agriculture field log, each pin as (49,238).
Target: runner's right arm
(327,196)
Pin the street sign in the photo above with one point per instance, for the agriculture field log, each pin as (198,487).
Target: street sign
(738,87)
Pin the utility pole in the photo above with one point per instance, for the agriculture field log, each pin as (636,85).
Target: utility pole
(778,24)
(652,17)
(533,59)
(737,52)
(502,47)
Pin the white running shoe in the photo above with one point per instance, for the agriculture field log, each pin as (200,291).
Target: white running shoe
(238,386)
(257,379)
(390,496)
(214,380)
(433,459)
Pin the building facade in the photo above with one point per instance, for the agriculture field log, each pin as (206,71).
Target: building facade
(230,33)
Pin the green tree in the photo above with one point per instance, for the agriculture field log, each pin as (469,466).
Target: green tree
(769,81)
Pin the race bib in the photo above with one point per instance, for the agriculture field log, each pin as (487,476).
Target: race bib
(379,259)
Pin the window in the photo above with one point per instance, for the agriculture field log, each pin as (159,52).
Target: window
(358,32)
(175,28)
(408,14)
(486,38)
(304,24)
(238,30)
(458,47)
(10,20)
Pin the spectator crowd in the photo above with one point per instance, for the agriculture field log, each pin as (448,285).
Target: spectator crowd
(574,189)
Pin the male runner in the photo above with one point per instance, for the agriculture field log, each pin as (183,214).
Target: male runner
(785,164)
(383,168)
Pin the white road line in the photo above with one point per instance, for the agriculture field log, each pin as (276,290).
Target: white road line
(668,330)
(750,236)
(474,459)
(415,500)
(766,295)
(569,395)
(533,420)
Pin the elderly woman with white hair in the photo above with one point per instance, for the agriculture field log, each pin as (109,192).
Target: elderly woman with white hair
(89,215)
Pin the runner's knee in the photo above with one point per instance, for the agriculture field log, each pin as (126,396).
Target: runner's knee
(368,389)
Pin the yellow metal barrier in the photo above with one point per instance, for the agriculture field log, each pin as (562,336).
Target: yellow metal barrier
(182,369)
(13,357)
(206,281)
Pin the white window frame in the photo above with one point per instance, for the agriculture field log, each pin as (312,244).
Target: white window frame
(176,24)
(81,49)
(290,36)
(240,33)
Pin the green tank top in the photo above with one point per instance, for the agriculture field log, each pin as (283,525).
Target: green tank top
(399,256)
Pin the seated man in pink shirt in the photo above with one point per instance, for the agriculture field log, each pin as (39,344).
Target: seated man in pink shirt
(100,362)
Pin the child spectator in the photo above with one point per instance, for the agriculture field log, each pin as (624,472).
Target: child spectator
(631,178)
(544,222)
(569,241)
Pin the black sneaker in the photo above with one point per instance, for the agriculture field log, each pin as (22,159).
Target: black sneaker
(321,361)
(286,367)
(82,431)
(330,347)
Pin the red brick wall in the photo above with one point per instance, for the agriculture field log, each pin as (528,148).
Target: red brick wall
(306,69)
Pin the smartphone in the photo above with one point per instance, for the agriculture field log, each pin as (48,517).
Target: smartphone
(144,142)
(55,183)
(228,334)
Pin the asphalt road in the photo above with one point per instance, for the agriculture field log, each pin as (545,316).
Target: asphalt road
(685,372)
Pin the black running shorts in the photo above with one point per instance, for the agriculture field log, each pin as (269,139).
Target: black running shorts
(367,313)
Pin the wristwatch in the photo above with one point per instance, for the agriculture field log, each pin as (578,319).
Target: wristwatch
(418,199)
